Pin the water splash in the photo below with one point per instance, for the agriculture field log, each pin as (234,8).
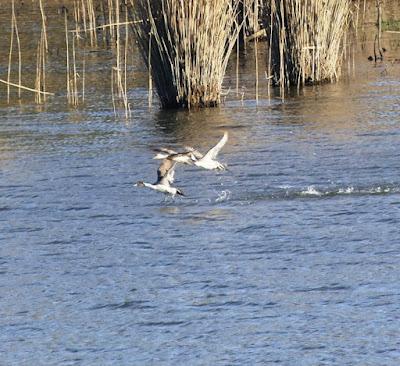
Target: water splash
(349,190)
(315,192)
(223,196)
(311,191)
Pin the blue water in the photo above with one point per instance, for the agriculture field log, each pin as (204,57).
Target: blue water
(291,257)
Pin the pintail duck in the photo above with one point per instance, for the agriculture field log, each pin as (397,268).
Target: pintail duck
(192,156)
(165,177)
(208,160)
(187,157)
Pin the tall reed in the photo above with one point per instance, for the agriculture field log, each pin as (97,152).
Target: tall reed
(378,37)
(306,40)
(119,71)
(191,42)
(14,29)
(42,49)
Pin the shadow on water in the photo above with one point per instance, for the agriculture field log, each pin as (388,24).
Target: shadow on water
(196,125)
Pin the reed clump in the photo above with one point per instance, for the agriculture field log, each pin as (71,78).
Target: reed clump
(306,40)
(186,46)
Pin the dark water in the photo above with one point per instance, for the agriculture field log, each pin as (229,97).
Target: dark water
(292,257)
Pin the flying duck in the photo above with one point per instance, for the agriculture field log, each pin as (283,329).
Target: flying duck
(187,157)
(192,156)
(208,160)
(165,177)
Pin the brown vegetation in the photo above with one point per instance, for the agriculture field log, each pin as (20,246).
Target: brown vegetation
(306,40)
(186,46)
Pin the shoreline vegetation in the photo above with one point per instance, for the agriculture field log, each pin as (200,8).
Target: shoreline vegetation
(185,46)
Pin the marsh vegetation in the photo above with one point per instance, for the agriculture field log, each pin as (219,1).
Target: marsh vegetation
(186,48)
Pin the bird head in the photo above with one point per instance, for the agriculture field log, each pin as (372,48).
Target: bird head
(139,184)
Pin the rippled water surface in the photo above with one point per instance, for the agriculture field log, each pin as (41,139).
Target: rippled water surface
(291,257)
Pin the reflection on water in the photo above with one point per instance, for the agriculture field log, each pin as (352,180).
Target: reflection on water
(214,215)
(292,254)
(173,210)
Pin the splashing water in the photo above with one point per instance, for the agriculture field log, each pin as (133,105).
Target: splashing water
(223,196)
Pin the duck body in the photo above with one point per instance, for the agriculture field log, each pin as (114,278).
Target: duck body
(166,171)
(186,157)
(210,164)
(165,177)
(209,160)
(162,188)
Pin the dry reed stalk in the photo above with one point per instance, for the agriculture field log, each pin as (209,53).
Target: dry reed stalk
(307,40)
(126,102)
(74,80)
(10,52)
(118,50)
(269,61)
(112,92)
(19,52)
(42,50)
(251,9)
(378,37)
(43,16)
(83,15)
(190,48)
(111,17)
(364,12)
(237,65)
(119,71)
(357,6)
(77,18)
(86,12)
(40,68)
(83,76)
(69,97)
(25,87)
(149,68)
(92,22)
(38,96)
(14,29)
(104,26)
(255,21)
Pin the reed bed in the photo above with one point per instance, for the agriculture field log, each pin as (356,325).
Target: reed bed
(306,40)
(250,13)
(186,46)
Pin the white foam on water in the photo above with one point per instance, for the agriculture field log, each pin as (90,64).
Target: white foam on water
(223,196)
(311,191)
(347,190)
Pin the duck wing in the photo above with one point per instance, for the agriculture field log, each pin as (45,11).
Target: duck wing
(165,150)
(166,172)
(184,158)
(163,153)
(197,154)
(213,152)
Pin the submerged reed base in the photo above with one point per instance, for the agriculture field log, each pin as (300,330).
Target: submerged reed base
(186,45)
(306,40)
